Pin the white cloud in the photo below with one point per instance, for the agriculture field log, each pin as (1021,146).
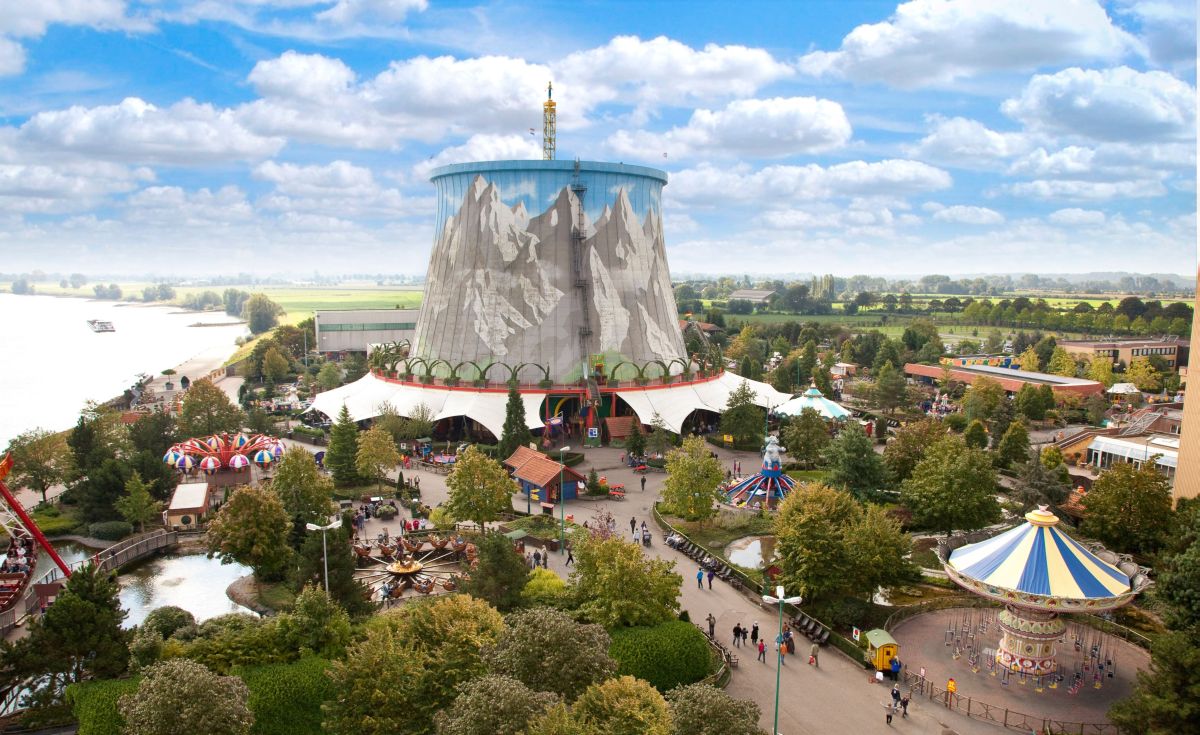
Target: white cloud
(1167,28)
(12,57)
(64,187)
(313,20)
(172,205)
(778,186)
(340,177)
(754,128)
(662,71)
(187,132)
(338,189)
(928,42)
(1076,216)
(311,77)
(351,12)
(958,141)
(968,215)
(483,148)
(1110,104)
(1086,190)
(30,19)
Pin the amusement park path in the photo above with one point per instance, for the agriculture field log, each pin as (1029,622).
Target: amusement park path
(834,699)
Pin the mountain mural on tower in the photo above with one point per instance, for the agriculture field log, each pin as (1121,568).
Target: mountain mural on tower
(502,284)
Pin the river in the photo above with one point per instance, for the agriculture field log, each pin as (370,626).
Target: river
(54,363)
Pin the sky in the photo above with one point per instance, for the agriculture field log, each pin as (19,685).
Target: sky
(292,137)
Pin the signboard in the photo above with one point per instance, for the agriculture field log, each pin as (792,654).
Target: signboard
(535,494)
(857,634)
(728,439)
(593,432)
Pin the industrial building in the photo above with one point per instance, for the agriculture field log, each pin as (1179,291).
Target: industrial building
(1011,380)
(755,296)
(1187,482)
(354,330)
(1174,352)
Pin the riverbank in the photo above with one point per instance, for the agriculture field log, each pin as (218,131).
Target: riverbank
(248,593)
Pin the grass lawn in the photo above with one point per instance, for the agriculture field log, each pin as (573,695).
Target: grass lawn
(277,596)
(715,535)
(807,475)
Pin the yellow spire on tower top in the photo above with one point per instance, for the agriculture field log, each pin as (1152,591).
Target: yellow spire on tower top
(549,124)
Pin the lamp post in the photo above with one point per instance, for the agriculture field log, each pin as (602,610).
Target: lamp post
(780,600)
(324,546)
(562,504)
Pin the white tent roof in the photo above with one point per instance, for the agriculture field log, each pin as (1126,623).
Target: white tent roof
(1124,389)
(189,496)
(675,402)
(812,398)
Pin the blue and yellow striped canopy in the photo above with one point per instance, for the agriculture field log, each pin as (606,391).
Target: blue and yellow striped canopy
(1036,558)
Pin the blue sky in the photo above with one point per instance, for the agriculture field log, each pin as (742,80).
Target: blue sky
(293,136)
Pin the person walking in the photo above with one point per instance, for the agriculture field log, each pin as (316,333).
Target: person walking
(754,633)
(570,556)
(745,635)
(711,574)
(737,634)
(888,711)
(537,559)
(896,694)
(762,651)
(781,646)
(712,625)
(813,655)
(633,525)
(904,704)
(895,662)
(643,483)
(700,578)
(546,560)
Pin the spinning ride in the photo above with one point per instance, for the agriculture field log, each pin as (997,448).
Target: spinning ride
(224,452)
(768,487)
(1038,572)
(424,565)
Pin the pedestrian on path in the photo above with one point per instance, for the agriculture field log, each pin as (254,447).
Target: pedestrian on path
(781,646)
(737,635)
(888,709)
(895,663)
(951,690)
(711,574)
(896,694)
(546,560)
(712,625)
(537,559)
(700,578)
(745,635)
(762,651)
(633,525)
(904,704)
(754,633)
(570,556)
(643,483)
(813,652)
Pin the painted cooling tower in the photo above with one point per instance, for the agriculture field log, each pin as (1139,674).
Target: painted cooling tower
(548,263)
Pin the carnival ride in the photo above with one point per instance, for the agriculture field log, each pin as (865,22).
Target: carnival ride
(23,534)
(1038,572)
(768,487)
(392,566)
(212,454)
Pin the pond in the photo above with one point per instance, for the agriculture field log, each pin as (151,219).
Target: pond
(751,552)
(190,581)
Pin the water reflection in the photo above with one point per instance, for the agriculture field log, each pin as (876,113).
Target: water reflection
(193,582)
(751,552)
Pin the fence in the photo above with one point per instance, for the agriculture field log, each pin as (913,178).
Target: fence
(1002,716)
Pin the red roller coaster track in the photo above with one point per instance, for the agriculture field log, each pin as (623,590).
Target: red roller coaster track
(13,516)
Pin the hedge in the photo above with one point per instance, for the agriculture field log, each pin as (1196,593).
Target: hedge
(94,705)
(54,522)
(110,530)
(666,655)
(717,440)
(286,698)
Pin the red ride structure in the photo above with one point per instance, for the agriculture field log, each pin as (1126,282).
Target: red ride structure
(17,522)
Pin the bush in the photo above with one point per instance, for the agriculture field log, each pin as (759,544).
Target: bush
(666,655)
(166,620)
(54,522)
(571,459)
(94,705)
(110,530)
(956,422)
(846,612)
(286,698)
(385,513)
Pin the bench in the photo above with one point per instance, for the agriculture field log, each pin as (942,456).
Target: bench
(616,494)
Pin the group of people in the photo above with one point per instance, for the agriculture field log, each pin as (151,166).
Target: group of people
(897,703)
(16,561)
(537,558)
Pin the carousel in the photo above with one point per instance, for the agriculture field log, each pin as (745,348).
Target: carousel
(219,452)
(813,399)
(766,488)
(1039,572)
(419,565)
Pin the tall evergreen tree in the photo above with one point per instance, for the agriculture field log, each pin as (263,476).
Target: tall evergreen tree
(340,458)
(515,433)
(853,464)
(1014,446)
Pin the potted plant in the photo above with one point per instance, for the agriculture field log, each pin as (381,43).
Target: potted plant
(169,385)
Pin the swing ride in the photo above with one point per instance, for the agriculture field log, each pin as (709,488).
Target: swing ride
(393,566)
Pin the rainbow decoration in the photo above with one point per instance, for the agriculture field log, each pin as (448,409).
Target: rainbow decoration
(263,458)
(185,463)
(210,465)
(238,462)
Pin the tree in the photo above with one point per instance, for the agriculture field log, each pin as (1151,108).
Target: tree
(890,389)
(207,410)
(606,569)
(153,432)
(1178,583)
(315,624)
(356,366)
(1164,701)
(492,705)
(742,418)
(41,460)
(138,507)
(180,695)
(515,432)
(1100,369)
(550,651)
(1129,509)
(635,443)
(78,280)
(693,479)
(341,456)
(1038,484)
(99,492)
(313,560)
(376,454)
(703,709)
(661,439)
(305,492)
(260,313)
(622,706)
(806,437)
(480,488)
(1142,374)
(1002,418)
(1029,360)
(953,487)
(79,636)
(1096,406)
(908,447)
(1061,363)
(275,366)
(329,376)
(982,399)
(500,577)
(1014,446)
(879,553)
(853,465)
(252,529)
(1029,403)
(976,435)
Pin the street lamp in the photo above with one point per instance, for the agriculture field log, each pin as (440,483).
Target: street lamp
(324,547)
(780,600)
(562,504)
